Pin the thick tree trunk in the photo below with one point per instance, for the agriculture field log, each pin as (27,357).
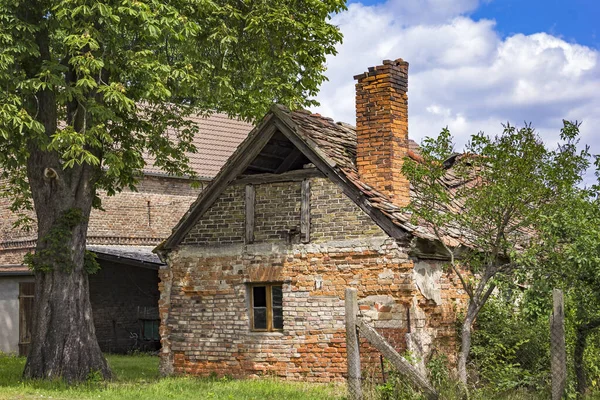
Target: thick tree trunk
(63,343)
(465,347)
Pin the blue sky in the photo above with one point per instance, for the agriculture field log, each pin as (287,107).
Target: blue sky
(475,64)
(573,20)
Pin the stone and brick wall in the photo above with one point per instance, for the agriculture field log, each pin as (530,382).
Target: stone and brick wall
(223,223)
(204,305)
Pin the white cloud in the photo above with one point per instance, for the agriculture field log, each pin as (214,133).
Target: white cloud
(462,74)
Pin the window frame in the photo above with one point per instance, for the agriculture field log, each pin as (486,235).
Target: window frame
(269,305)
(155,323)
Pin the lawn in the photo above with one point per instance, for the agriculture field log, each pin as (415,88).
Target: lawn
(137,379)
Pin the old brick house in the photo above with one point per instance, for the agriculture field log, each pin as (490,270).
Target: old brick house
(124,293)
(305,207)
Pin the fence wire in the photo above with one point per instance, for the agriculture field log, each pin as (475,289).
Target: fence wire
(512,354)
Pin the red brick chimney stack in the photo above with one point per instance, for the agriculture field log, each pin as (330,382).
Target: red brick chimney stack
(382,128)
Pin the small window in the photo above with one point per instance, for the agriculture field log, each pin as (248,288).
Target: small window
(266,307)
(150,329)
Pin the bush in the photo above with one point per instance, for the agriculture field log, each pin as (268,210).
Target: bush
(511,348)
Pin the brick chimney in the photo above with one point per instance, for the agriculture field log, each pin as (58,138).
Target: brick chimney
(382,128)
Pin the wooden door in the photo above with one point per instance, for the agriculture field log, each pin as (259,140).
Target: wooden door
(26,292)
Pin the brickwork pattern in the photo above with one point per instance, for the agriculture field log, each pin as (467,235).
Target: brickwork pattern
(382,129)
(208,322)
(223,223)
(277,212)
(205,324)
(335,217)
(130,218)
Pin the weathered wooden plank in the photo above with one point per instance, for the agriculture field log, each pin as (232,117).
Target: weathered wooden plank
(557,346)
(261,168)
(294,156)
(305,212)
(352,346)
(250,197)
(291,176)
(403,366)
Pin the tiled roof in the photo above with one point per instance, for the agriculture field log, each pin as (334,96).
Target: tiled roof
(337,143)
(216,140)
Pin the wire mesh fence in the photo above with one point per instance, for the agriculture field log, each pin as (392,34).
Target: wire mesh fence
(514,354)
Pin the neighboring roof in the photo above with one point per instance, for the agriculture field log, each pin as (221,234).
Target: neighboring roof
(332,148)
(139,256)
(14,270)
(217,138)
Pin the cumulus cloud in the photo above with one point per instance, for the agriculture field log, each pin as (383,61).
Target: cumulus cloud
(462,73)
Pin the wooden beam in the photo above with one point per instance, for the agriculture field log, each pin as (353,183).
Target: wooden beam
(558,361)
(294,156)
(401,364)
(352,346)
(305,212)
(261,169)
(250,197)
(272,156)
(291,176)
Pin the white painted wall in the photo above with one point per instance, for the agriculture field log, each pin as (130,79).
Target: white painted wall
(9,313)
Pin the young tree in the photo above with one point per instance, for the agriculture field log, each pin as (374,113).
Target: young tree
(508,183)
(92,88)
(571,236)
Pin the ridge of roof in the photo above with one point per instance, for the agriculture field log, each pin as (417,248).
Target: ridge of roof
(338,141)
(331,147)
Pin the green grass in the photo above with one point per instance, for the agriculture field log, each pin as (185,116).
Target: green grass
(136,378)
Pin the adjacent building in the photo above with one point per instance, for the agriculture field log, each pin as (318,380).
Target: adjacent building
(124,293)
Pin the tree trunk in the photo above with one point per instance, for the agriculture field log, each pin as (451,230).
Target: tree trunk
(465,347)
(63,343)
(580,342)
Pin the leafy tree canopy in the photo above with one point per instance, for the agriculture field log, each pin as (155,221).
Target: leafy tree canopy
(511,186)
(92,89)
(100,82)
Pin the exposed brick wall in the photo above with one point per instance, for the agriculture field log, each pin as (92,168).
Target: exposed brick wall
(335,217)
(7,220)
(144,217)
(116,293)
(12,255)
(204,302)
(223,223)
(206,319)
(276,211)
(382,128)
(151,212)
